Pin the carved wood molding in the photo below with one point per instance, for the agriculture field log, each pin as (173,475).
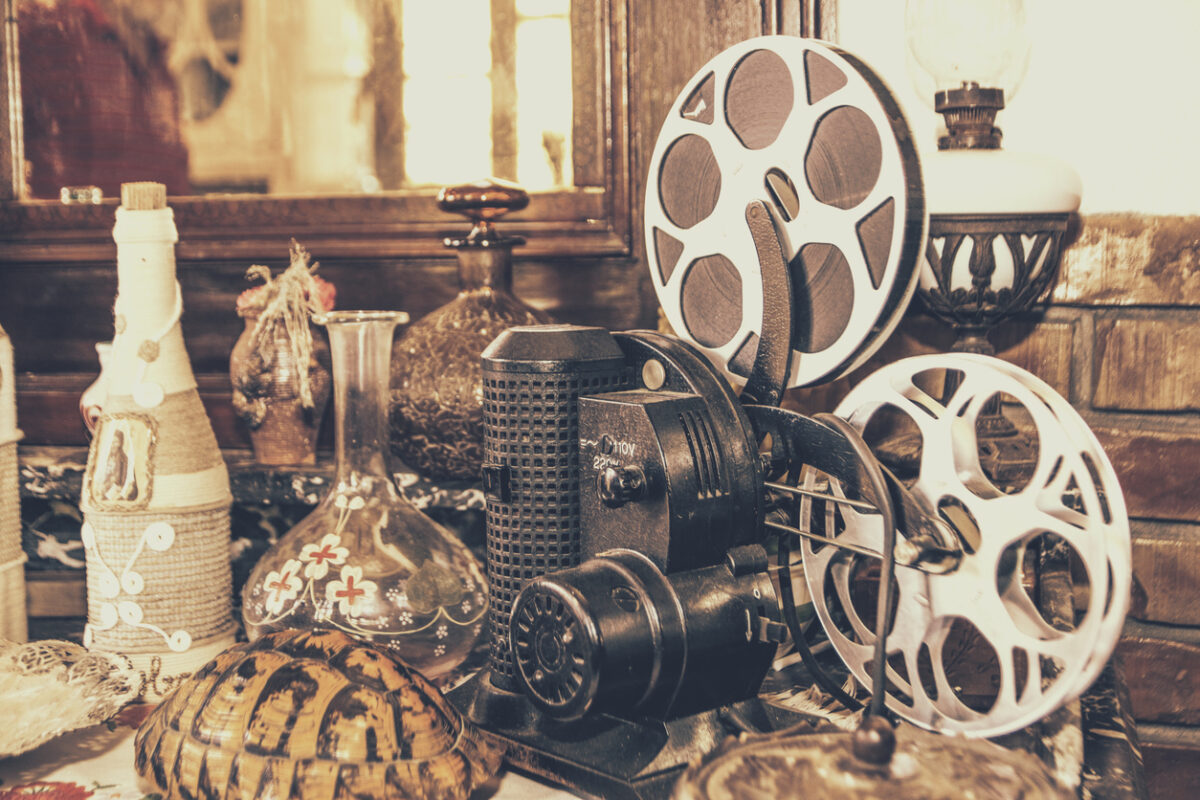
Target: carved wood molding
(571,223)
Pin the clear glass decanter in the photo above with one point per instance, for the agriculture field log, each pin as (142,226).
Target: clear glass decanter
(366,561)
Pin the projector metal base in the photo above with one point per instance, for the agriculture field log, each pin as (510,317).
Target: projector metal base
(603,756)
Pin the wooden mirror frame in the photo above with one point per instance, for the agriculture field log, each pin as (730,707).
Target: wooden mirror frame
(592,219)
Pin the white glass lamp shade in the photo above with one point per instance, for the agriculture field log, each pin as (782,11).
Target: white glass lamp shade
(952,42)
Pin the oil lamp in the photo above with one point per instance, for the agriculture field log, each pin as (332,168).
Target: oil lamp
(997,218)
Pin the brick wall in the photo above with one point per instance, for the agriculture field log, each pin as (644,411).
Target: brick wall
(1131,286)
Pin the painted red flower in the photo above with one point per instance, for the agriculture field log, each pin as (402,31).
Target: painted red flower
(282,585)
(319,557)
(46,790)
(352,593)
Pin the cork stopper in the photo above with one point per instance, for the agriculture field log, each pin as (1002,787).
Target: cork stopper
(143,196)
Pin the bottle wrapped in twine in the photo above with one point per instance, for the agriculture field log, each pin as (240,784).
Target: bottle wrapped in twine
(155,493)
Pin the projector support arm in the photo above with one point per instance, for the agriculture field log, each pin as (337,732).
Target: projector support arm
(773,358)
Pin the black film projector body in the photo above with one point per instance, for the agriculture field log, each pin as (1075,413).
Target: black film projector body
(633,495)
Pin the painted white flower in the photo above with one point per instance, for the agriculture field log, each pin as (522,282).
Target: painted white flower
(442,632)
(406,618)
(352,592)
(466,606)
(318,557)
(440,650)
(282,585)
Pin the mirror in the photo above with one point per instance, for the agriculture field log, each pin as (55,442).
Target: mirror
(294,96)
(333,121)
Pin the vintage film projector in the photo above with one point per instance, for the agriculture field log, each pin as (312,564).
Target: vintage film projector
(642,516)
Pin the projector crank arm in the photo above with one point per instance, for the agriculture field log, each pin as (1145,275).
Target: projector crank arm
(773,355)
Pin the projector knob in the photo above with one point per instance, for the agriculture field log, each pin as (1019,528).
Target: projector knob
(620,485)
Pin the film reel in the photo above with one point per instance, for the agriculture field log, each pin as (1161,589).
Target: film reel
(980,619)
(812,132)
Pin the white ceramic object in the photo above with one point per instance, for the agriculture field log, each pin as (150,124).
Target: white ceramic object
(999,182)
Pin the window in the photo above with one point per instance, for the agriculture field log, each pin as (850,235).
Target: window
(502,107)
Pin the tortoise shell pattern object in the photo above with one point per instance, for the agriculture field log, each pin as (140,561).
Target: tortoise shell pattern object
(310,715)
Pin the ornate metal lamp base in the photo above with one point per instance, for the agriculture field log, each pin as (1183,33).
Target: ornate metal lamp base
(969,255)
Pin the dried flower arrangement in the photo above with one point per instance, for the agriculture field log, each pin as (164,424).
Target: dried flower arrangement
(280,400)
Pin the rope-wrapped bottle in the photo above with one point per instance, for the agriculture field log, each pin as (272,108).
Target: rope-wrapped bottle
(155,496)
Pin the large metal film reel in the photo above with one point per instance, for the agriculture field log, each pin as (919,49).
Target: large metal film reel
(978,650)
(812,132)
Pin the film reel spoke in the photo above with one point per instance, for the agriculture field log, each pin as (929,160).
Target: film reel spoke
(944,700)
(984,648)
(1025,614)
(905,637)
(1061,470)
(1009,624)
(846,529)
(919,704)
(934,692)
(1050,483)
(840,572)
(931,418)
(1088,547)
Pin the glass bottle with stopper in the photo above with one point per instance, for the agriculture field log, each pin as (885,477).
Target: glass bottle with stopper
(155,495)
(437,401)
